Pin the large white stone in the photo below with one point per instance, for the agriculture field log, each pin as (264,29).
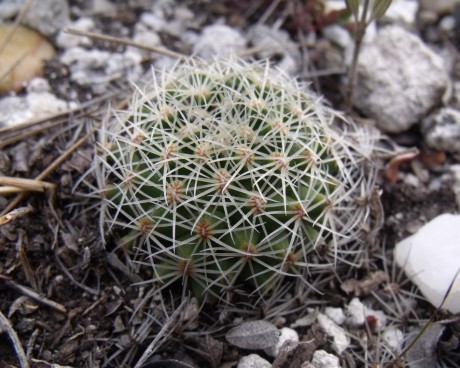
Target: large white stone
(399,79)
(431,258)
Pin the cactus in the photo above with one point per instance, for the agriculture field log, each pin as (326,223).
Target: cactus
(229,173)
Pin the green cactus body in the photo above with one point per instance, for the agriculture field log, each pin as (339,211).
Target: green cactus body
(228,173)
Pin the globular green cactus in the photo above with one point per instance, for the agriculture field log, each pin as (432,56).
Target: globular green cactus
(229,173)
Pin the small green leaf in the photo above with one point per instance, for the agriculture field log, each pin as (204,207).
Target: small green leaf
(380,7)
(353,6)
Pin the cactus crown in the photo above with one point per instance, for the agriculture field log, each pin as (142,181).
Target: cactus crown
(229,173)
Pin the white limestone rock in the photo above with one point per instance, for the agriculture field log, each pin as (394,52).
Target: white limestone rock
(219,40)
(48,16)
(67,40)
(97,68)
(273,42)
(441,130)
(431,258)
(336,314)
(357,313)
(389,87)
(9,9)
(402,12)
(338,35)
(394,338)
(15,110)
(253,361)
(322,359)
(286,334)
(341,340)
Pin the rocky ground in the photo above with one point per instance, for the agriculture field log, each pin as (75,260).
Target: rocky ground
(69,299)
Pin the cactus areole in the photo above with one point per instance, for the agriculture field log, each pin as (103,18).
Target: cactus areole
(230,174)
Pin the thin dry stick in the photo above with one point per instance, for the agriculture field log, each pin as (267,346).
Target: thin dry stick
(48,171)
(24,260)
(6,326)
(16,213)
(268,12)
(30,133)
(124,41)
(62,267)
(161,336)
(32,294)
(360,31)
(21,184)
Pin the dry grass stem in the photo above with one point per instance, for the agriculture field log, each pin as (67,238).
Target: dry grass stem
(48,171)
(24,260)
(34,295)
(161,336)
(13,215)
(8,328)
(124,41)
(13,185)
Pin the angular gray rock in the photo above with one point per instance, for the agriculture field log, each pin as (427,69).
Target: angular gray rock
(399,79)
(253,361)
(48,16)
(322,359)
(273,42)
(219,40)
(441,130)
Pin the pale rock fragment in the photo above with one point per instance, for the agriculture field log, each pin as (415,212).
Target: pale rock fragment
(341,340)
(389,88)
(219,40)
(253,361)
(286,334)
(336,314)
(322,359)
(431,259)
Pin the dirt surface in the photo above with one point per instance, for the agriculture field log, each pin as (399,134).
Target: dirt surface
(72,301)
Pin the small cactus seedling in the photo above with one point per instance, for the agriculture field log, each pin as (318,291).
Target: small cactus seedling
(228,173)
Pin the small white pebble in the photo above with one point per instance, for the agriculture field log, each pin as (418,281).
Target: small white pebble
(336,314)
(38,85)
(356,312)
(287,334)
(322,359)
(341,340)
(394,338)
(253,361)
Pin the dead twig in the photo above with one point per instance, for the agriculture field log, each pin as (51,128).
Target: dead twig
(14,185)
(13,215)
(161,336)
(5,325)
(24,260)
(48,171)
(124,41)
(64,269)
(33,295)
